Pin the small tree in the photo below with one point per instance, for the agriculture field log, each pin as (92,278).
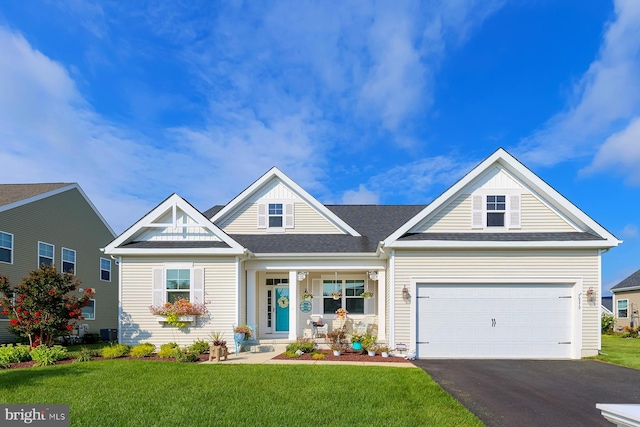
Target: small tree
(41,307)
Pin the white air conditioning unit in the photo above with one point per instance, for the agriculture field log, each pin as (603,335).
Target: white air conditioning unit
(83,329)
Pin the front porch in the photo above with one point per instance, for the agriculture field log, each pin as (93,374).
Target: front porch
(284,304)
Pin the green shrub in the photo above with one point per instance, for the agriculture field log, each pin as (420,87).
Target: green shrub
(143,350)
(169,350)
(13,354)
(318,356)
(115,350)
(44,356)
(303,345)
(606,322)
(85,355)
(199,347)
(185,355)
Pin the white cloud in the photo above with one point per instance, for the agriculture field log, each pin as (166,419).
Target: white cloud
(362,196)
(607,94)
(630,231)
(620,153)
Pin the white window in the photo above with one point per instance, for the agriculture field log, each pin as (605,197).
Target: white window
(105,269)
(68,261)
(178,282)
(495,211)
(344,293)
(275,216)
(45,254)
(89,310)
(623,308)
(6,247)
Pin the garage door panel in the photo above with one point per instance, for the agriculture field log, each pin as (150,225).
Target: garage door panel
(494,321)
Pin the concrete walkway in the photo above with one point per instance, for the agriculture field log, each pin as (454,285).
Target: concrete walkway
(266,356)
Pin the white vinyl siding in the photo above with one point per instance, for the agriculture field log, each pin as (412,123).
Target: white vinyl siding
(499,263)
(219,289)
(186,229)
(535,216)
(306,221)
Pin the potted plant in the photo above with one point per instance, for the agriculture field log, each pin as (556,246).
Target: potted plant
(356,341)
(242,333)
(218,350)
(384,350)
(178,313)
(336,294)
(337,340)
(366,294)
(369,344)
(371,349)
(307,295)
(341,314)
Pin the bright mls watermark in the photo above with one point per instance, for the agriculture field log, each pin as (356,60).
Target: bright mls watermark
(34,415)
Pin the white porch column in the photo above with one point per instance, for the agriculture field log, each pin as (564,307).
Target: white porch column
(293,305)
(251,297)
(382,306)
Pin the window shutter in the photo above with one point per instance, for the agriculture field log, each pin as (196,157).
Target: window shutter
(198,286)
(317,300)
(158,287)
(514,211)
(288,215)
(477,211)
(370,303)
(262,215)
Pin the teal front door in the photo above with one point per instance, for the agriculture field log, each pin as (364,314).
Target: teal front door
(282,309)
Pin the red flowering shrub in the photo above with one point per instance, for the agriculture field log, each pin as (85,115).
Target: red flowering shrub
(43,308)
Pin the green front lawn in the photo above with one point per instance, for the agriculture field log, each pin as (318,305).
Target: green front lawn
(621,351)
(146,393)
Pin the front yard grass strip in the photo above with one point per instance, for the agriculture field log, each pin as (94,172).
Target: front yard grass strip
(620,351)
(143,393)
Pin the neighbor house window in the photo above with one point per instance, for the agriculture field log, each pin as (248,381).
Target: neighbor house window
(6,247)
(89,310)
(275,215)
(45,254)
(68,261)
(349,298)
(496,206)
(623,308)
(105,269)
(178,284)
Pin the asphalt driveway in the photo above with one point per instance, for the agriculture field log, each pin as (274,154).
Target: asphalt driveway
(535,392)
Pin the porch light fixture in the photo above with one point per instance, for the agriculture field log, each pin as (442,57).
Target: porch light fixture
(302,275)
(373,275)
(405,291)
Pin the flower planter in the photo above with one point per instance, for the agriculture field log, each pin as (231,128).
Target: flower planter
(384,354)
(357,345)
(238,336)
(336,352)
(185,319)
(218,353)
(371,353)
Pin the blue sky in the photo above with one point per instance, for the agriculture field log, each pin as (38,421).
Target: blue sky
(363,102)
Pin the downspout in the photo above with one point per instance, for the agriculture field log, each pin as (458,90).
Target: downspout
(118,262)
(392,299)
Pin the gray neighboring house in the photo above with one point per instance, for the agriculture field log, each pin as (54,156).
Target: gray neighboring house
(626,301)
(56,223)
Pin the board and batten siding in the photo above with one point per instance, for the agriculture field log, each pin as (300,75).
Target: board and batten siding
(187,229)
(499,264)
(306,221)
(139,325)
(455,217)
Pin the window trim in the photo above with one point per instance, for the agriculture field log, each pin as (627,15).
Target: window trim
(102,269)
(343,298)
(75,261)
(167,291)
(288,215)
(626,300)
(53,253)
(94,310)
(11,249)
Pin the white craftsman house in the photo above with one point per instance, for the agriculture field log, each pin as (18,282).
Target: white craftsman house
(499,266)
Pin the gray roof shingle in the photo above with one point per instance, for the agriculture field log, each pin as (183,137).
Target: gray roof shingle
(502,237)
(630,282)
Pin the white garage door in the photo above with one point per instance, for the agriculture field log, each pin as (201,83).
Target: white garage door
(494,321)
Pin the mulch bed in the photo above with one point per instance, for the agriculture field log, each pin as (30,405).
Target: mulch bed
(349,356)
(30,363)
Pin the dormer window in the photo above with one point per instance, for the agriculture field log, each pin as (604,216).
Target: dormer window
(496,206)
(275,215)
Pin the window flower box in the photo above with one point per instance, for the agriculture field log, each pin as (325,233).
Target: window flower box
(184,319)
